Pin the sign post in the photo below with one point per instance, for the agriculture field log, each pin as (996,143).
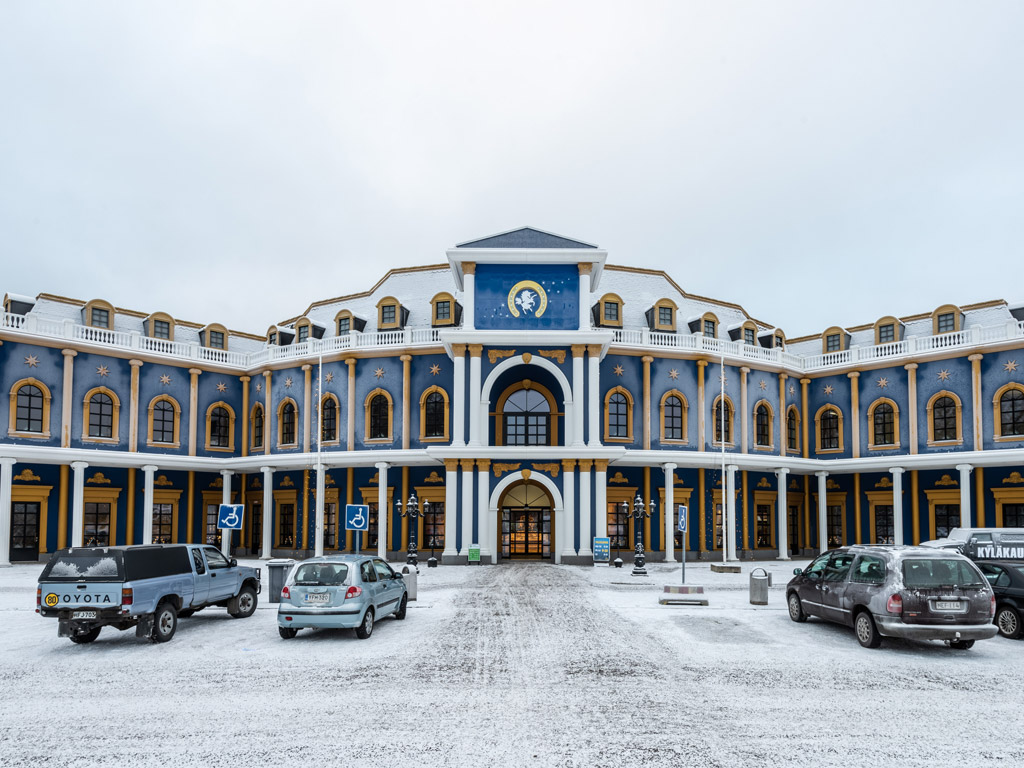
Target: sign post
(602,549)
(357,518)
(229,519)
(682,530)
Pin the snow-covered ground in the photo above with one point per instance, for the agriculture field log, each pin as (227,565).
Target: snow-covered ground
(513,665)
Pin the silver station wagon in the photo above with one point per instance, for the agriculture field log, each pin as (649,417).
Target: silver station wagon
(340,592)
(917,593)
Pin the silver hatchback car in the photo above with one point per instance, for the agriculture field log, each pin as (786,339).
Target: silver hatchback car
(340,592)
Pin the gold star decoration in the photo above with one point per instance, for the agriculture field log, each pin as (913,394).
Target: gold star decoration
(165,379)
(618,370)
(762,384)
(31,361)
(943,375)
(1011,366)
(723,379)
(673,374)
(435,369)
(221,386)
(329,376)
(792,389)
(828,389)
(379,373)
(288,382)
(103,370)
(883,382)
(259,386)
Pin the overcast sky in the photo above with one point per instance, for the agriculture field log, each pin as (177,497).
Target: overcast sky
(820,163)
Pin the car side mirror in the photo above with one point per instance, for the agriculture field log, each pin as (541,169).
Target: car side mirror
(396,575)
(233,562)
(797,571)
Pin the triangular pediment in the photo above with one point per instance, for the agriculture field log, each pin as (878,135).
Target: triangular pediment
(525,237)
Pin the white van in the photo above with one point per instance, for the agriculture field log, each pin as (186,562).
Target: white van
(984,543)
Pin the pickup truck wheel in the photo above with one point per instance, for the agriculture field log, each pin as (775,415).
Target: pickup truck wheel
(86,637)
(400,613)
(245,604)
(165,622)
(287,633)
(365,629)
(1008,621)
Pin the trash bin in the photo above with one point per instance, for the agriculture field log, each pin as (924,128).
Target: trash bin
(277,574)
(759,583)
(410,575)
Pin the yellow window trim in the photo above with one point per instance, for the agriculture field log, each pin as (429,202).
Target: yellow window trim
(231,427)
(366,417)
(936,496)
(997,421)
(795,411)
(281,498)
(686,409)
(252,423)
(887,320)
(946,309)
(99,304)
(39,494)
(104,496)
(423,415)
(280,423)
(172,497)
(176,443)
(370,497)
(610,298)
(151,325)
(929,414)
(337,419)
(388,301)
(817,429)
(669,304)
(499,412)
(713,318)
(450,320)
(217,327)
(771,426)
(834,330)
(629,415)
(876,499)
(766,498)
(872,445)
(833,499)
(730,441)
(115,419)
(1006,496)
(12,423)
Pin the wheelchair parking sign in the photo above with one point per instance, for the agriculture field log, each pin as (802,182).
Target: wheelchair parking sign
(230,516)
(357,517)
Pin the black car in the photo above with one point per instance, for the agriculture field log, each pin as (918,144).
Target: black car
(1007,580)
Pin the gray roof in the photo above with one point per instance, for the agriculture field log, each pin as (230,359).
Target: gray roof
(526,237)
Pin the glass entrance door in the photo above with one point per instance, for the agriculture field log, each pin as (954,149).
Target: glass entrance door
(526,532)
(25,530)
(794,528)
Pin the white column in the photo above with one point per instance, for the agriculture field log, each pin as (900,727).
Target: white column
(225,498)
(586,509)
(965,494)
(147,504)
(78,504)
(474,399)
(729,520)
(469,298)
(467,506)
(568,528)
(669,513)
(6,468)
(318,546)
(383,510)
(459,395)
(781,529)
(822,512)
(594,399)
(601,501)
(897,504)
(577,397)
(570,423)
(268,506)
(483,516)
(451,502)
(585,298)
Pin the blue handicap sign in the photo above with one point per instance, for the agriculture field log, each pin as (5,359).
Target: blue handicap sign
(602,549)
(230,516)
(357,517)
(682,518)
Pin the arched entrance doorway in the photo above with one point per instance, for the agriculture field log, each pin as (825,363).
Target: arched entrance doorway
(527,516)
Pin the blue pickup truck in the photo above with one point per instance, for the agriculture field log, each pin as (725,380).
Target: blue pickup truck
(146,587)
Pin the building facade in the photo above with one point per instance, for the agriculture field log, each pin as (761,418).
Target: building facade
(527,394)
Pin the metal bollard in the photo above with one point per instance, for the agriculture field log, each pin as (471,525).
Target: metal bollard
(759,584)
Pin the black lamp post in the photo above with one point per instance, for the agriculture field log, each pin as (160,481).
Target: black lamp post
(638,513)
(412,511)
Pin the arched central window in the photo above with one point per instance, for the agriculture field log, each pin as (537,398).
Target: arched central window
(328,420)
(526,418)
(944,419)
(829,431)
(433,415)
(618,415)
(30,409)
(101,415)
(257,426)
(673,418)
(884,424)
(762,426)
(378,417)
(220,428)
(163,422)
(1011,413)
(723,421)
(792,430)
(288,424)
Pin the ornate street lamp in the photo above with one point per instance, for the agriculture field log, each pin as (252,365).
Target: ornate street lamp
(412,511)
(638,513)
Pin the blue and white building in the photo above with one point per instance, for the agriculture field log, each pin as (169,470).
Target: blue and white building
(526,392)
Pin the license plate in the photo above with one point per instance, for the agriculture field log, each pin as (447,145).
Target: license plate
(83,614)
(318,597)
(941,605)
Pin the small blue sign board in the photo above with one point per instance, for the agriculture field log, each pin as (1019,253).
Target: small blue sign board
(682,518)
(357,517)
(602,549)
(230,516)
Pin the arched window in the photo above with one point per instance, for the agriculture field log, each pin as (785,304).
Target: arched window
(673,417)
(163,421)
(1011,413)
(883,425)
(379,417)
(29,409)
(526,417)
(434,415)
(618,415)
(257,426)
(762,426)
(328,419)
(944,418)
(100,415)
(287,423)
(792,429)
(718,420)
(220,428)
(830,433)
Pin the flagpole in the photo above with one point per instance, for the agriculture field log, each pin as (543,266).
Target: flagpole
(319,539)
(725,505)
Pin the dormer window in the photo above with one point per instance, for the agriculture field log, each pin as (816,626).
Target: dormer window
(611,312)
(709,328)
(160,325)
(345,323)
(387,314)
(445,310)
(214,336)
(344,326)
(946,319)
(303,333)
(216,339)
(98,314)
(833,342)
(391,315)
(161,329)
(100,318)
(748,336)
(272,338)
(834,339)
(607,313)
(662,316)
(886,333)
(945,323)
